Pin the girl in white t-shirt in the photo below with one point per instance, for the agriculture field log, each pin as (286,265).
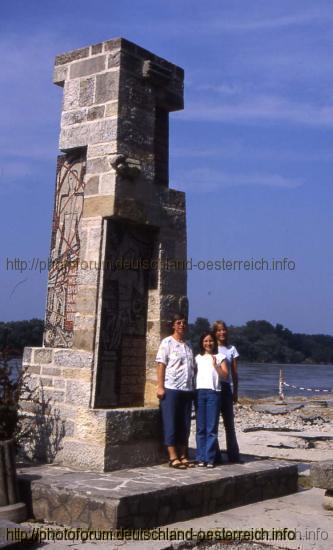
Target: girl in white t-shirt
(211,369)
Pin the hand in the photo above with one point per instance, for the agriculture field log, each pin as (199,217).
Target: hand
(160,393)
(214,361)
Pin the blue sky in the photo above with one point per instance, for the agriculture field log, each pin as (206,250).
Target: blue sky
(253,148)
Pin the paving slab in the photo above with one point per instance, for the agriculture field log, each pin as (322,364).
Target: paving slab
(150,496)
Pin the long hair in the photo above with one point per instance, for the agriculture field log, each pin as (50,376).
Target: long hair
(217,324)
(202,337)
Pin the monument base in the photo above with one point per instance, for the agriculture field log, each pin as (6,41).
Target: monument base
(151,496)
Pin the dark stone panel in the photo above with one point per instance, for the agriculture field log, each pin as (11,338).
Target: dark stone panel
(88,66)
(106,87)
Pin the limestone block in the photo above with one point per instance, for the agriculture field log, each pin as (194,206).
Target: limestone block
(46,381)
(103,131)
(86,300)
(27,355)
(88,66)
(33,369)
(71,95)
(74,136)
(73,117)
(111,109)
(96,48)
(102,149)
(114,58)
(98,165)
(91,426)
(91,185)
(98,206)
(43,355)
(71,56)
(107,184)
(84,339)
(60,74)
(89,276)
(77,393)
(87,91)
(51,371)
(73,358)
(96,112)
(79,454)
(107,87)
(322,474)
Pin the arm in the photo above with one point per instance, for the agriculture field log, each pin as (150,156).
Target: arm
(234,376)
(160,380)
(222,368)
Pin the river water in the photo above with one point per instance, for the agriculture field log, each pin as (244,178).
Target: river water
(262,379)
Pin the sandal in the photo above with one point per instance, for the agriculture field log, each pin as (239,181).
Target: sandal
(177,464)
(184,460)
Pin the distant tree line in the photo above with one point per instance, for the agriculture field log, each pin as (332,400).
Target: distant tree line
(256,341)
(15,335)
(261,342)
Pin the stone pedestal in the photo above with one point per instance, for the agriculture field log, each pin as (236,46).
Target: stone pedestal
(118,259)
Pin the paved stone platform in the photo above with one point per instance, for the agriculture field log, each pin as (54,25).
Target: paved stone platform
(150,496)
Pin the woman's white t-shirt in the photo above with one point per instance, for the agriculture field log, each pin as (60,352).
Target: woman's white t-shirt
(207,375)
(230,353)
(179,364)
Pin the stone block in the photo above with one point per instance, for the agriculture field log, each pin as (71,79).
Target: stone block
(114,58)
(322,474)
(43,355)
(71,56)
(98,206)
(98,165)
(136,424)
(96,48)
(107,184)
(27,355)
(73,358)
(77,374)
(46,381)
(71,95)
(111,109)
(73,117)
(87,90)
(81,455)
(60,74)
(106,87)
(103,131)
(101,150)
(51,371)
(91,186)
(131,455)
(95,113)
(90,426)
(59,383)
(84,339)
(88,66)
(74,136)
(77,393)
(33,369)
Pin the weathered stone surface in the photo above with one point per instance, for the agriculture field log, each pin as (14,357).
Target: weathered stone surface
(87,90)
(51,371)
(98,165)
(43,356)
(322,474)
(126,425)
(71,95)
(107,184)
(73,358)
(148,497)
(77,393)
(88,66)
(106,87)
(96,48)
(71,56)
(96,112)
(60,74)
(98,206)
(91,186)
(73,117)
(27,355)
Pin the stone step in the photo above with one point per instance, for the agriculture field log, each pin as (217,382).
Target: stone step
(150,496)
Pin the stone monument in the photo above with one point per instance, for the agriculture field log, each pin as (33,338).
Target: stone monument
(117,263)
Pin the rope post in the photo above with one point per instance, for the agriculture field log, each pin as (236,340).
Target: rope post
(281,385)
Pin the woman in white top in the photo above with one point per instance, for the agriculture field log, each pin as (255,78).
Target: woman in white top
(211,369)
(175,379)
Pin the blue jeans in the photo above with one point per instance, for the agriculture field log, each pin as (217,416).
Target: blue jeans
(208,404)
(227,410)
(176,408)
